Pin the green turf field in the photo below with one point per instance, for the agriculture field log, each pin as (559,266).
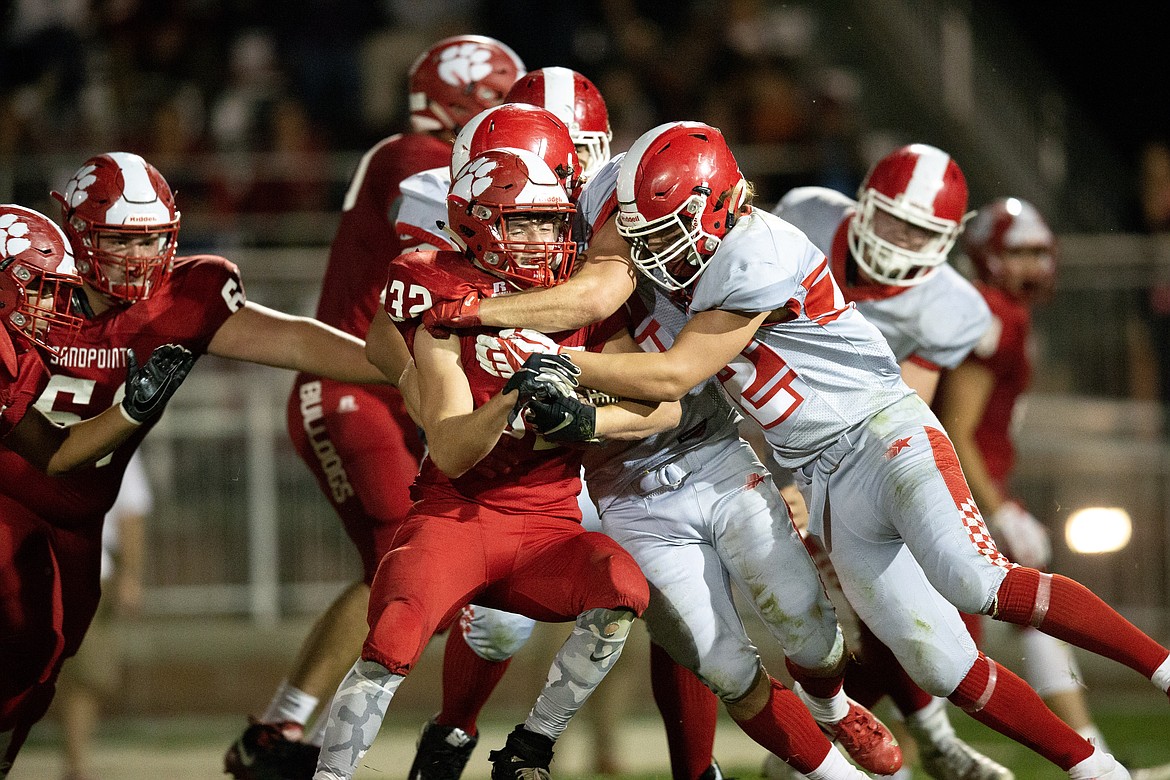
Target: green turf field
(1137,725)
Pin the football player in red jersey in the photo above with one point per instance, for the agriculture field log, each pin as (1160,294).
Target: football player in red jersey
(495,518)
(38,289)
(1014,253)
(358,440)
(121,220)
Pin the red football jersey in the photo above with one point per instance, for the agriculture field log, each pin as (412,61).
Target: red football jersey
(526,475)
(88,377)
(366,241)
(1009,362)
(18,392)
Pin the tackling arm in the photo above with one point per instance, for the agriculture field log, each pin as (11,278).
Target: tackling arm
(257,334)
(630,420)
(704,346)
(458,434)
(596,291)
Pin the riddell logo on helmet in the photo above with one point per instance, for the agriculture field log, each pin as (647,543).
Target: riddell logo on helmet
(466,63)
(140,219)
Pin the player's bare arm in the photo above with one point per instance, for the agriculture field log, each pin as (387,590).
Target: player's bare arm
(921,379)
(458,434)
(630,420)
(705,345)
(387,350)
(257,334)
(56,449)
(962,398)
(603,283)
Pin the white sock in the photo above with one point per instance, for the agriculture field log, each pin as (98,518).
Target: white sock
(835,767)
(824,710)
(290,704)
(1097,763)
(1094,735)
(931,723)
(1161,676)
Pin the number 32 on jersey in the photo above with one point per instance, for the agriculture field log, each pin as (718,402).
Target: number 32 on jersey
(404,303)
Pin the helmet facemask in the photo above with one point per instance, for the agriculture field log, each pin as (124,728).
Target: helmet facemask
(126,262)
(885,261)
(673,249)
(44,308)
(524,262)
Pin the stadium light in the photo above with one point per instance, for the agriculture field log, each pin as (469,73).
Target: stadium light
(1098,529)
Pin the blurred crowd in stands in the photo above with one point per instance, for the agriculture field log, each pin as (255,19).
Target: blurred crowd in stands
(268,92)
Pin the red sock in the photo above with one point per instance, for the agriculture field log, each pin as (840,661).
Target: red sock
(689,711)
(994,696)
(820,686)
(785,727)
(468,681)
(1067,610)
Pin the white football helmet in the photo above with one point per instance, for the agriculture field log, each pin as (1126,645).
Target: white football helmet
(918,184)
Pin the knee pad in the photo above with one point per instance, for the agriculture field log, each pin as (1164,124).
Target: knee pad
(495,635)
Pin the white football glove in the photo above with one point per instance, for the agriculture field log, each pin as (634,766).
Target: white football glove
(1022,535)
(502,355)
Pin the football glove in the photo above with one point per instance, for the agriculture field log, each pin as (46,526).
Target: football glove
(445,316)
(150,386)
(561,418)
(501,355)
(1024,537)
(543,375)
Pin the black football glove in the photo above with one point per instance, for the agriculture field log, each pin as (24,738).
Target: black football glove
(149,387)
(561,418)
(543,374)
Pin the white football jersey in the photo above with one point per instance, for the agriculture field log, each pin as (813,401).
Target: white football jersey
(808,380)
(422,207)
(938,321)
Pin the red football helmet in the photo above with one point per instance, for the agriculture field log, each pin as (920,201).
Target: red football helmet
(457,78)
(520,126)
(679,191)
(37,279)
(491,192)
(918,184)
(120,216)
(576,102)
(1012,248)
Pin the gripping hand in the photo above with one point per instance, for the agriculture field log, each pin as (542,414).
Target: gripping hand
(1025,538)
(543,375)
(150,386)
(445,316)
(561,418)
(502,355)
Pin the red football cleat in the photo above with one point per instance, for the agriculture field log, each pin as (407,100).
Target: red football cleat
(866,740)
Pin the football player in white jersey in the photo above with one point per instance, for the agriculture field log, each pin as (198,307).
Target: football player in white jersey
(886,496)
(887,251)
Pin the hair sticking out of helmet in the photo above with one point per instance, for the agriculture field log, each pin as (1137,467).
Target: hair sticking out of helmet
(1012,247)
(37,281)
(520,126)
(120,216)
(917,186)
(575,101)
(514,218)
(457,78)
(679,192)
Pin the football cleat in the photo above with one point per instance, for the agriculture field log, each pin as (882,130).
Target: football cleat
(713,772)
(525,756)
(443,752)
(954,759)
(263,752)
(866,739)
